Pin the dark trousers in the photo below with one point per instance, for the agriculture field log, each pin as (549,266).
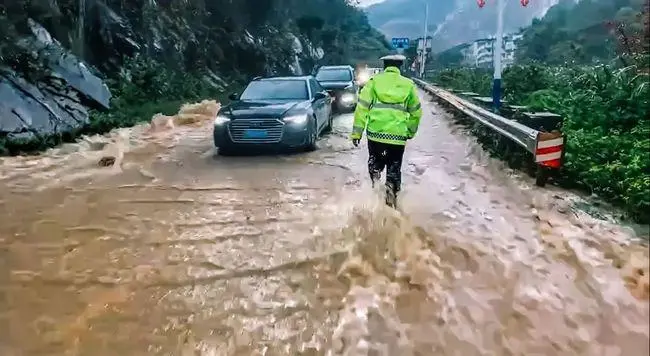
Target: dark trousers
(383,155)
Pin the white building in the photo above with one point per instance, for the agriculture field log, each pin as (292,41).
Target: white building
(481,52)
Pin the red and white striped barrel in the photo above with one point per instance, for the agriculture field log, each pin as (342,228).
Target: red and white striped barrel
(549,149)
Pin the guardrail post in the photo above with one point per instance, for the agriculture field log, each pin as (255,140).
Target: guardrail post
(548,154)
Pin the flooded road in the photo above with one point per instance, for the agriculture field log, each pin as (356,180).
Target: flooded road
(173,250)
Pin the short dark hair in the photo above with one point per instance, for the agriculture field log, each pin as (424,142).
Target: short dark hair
(392,63)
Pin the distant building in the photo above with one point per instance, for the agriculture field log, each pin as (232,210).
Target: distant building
(480,53)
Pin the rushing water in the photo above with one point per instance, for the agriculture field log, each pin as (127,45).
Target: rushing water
(167,249)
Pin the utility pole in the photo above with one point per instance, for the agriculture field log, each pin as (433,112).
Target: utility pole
(498,50)
(497,56)
(424,40)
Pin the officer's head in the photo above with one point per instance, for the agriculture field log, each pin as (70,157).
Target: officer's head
(394,60)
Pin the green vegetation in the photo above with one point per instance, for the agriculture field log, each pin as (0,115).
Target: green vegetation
(339,28)
(477,80)
(146,87)
(584,33)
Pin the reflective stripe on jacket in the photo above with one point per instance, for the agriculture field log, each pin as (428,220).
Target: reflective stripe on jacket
(388,109)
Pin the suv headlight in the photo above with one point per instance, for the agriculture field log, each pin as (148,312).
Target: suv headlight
(221,119)
(363,77)
(350,89)
(348,98)
(296,119)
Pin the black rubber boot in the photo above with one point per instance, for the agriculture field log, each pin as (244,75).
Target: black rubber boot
(374,179)
(391,197)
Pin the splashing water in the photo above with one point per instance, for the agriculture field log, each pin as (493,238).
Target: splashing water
(415,292)
(142,241)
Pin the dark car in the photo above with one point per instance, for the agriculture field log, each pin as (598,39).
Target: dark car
(284,111)
(339,81)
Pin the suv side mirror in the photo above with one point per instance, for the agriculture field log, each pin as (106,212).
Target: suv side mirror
(233,96)
(320,95)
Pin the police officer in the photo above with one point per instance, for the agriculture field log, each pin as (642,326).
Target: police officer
(389,111)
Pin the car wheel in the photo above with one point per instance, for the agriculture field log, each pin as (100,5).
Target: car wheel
(313,136)
(328,126)
(223,151)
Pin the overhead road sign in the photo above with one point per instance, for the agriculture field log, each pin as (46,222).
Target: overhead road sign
(400,42)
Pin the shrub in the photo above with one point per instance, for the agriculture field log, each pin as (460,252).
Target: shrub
(145,87)
(475,80)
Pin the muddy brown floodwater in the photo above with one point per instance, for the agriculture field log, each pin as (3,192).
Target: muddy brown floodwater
(168,249)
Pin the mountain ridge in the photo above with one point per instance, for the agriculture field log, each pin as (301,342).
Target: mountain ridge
(449,21)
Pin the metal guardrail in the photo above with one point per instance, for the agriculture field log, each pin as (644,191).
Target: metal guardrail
(546,148)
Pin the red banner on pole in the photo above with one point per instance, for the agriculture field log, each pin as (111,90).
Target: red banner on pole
(481,3)
(524,2)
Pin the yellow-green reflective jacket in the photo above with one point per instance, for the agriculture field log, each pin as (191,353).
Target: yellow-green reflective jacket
(388,109)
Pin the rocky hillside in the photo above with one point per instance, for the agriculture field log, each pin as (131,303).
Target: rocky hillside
(451,22)
(587,32)
(56,55)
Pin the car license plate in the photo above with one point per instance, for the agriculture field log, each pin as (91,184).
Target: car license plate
(255,133)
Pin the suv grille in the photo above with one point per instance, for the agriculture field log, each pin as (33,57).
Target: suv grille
(273,128)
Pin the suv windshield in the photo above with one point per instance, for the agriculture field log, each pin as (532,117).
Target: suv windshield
(334,75)
(276,90)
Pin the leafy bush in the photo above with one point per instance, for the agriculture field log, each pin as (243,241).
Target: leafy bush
(606,122)
(144,88)
(467,79)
